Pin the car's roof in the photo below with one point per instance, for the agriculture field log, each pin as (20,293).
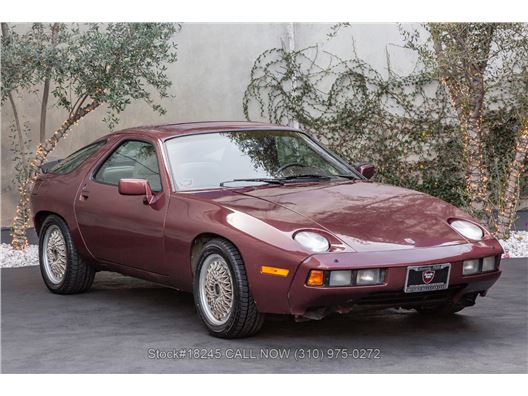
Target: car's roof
(187,128)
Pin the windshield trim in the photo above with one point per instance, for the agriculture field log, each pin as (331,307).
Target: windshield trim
(174,185)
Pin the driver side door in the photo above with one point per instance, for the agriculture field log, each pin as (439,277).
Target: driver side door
(124,229)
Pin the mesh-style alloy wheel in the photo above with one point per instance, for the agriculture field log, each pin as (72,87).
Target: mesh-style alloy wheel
(63,270)
(221,292)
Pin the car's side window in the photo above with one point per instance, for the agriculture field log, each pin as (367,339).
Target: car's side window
(76,159)
(133,159)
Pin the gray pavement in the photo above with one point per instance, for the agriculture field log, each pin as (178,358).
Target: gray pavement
(121,321)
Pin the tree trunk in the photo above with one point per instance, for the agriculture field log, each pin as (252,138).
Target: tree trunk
(475,174)
(21,221)
(44,110)
(45,91)
(463,76)
(20,134)
(510,199)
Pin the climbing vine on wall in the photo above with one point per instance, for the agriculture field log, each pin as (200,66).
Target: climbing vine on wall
(363,115)
(407,126)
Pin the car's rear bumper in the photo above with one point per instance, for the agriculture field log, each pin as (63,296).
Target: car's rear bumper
(316,301)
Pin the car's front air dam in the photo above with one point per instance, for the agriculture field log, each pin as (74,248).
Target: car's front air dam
(314,302)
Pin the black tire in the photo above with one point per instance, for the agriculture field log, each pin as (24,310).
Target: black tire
(78,276)
(445,309)
(244,319)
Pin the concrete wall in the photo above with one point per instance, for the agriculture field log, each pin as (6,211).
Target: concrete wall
(209,81)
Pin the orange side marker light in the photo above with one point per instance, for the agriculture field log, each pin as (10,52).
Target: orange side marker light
(274,271)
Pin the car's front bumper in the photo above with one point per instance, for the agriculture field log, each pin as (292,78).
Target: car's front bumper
(307,301)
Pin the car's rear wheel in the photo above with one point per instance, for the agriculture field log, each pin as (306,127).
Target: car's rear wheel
(63,270)
(221,292)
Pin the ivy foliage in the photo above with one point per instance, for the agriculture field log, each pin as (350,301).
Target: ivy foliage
(362,115)
(403,124)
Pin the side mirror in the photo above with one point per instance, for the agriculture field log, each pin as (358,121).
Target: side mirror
(136,187)
(366,170)
(46,167)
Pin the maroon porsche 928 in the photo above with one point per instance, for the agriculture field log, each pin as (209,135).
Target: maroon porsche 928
(254,218)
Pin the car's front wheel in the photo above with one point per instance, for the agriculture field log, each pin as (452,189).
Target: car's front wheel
(221,292)
(63,270)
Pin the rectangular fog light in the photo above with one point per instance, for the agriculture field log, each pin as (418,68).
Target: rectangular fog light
(488,264)
(340,278)
(369,276)
(470,267)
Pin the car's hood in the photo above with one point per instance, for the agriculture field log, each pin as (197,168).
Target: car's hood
(368,216)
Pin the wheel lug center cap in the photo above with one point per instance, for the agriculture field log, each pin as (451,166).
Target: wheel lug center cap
(217,289)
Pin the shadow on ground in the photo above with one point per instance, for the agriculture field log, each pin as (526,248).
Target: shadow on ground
(115,326)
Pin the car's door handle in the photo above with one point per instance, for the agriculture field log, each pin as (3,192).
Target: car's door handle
(85,193)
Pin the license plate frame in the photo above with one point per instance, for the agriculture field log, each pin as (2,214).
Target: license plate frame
(442,284)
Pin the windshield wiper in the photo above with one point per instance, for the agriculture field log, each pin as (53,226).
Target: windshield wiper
(257,180)
(280,180)
(306,176)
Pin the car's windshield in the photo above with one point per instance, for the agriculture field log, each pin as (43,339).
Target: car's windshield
(207,160)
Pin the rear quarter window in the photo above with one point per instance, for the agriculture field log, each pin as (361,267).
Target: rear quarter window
(77,158)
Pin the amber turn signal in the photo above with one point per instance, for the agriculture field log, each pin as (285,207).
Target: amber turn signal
(274,271)
(316,278)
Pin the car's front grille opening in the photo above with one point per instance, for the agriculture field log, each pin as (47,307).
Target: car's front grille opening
(401,298)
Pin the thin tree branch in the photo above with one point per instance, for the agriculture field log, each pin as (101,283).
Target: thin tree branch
(45,92)
(78,104)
